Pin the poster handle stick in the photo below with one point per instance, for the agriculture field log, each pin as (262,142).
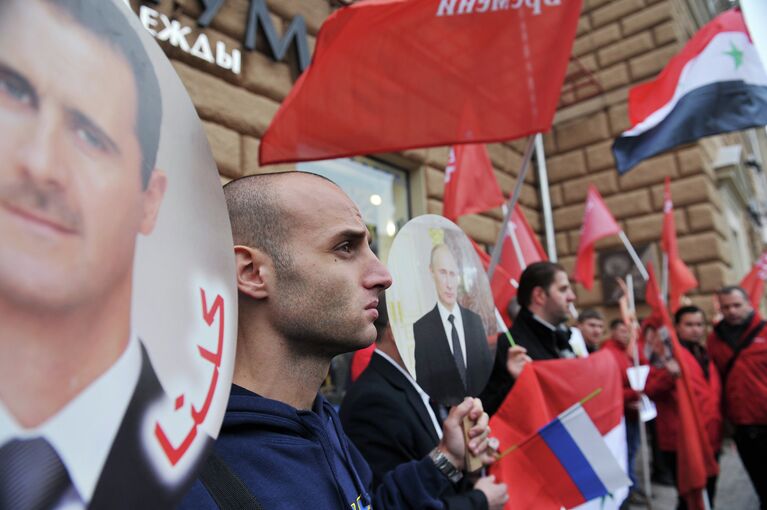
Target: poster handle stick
(512,202)
(634,256)
(473,463)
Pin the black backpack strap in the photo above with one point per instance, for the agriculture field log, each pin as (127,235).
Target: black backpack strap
(225,487)
(740,347)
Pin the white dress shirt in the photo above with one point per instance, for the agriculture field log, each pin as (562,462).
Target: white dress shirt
(444,313)
(420,391)
(83,431)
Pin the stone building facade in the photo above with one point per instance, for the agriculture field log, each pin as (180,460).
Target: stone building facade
(718,196)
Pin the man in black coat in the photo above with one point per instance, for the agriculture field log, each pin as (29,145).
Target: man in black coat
(452,358)
(545,295)
(389,418)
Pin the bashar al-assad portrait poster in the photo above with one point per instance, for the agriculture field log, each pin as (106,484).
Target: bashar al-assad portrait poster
(441,309)
(116,274)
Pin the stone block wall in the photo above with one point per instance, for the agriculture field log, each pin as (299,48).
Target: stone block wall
(236,109)
(624,43)
(621,42)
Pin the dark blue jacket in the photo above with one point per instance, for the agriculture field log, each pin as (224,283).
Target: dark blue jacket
(303,459)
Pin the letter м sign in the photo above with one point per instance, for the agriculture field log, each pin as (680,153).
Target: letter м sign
(258,14)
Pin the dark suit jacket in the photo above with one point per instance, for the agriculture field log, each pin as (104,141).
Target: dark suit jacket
(128,479)
(387,421)
(435,367)
(541,344)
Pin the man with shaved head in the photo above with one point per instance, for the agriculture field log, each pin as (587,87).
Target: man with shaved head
(452,358)
(308,286)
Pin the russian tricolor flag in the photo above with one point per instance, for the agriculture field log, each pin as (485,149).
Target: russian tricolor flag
(562,452)
(575,457)
(717,84)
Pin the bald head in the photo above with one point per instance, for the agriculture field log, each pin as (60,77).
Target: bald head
(257,213)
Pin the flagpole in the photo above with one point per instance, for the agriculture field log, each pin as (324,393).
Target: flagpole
(664,279)
(634,256)
(642,429)
(543,183)
(498,248)
(515,243)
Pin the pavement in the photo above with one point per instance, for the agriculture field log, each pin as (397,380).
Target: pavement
(734,490)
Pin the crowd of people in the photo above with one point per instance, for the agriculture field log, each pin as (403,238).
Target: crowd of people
(283,444)
(309,289)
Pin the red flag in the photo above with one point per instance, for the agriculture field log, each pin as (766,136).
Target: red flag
(389,75)
(695,460)
(502,285)
(360,361)
(520,249)
(470,183)
(753,282)
(598,222)
(544,390)
(521,246)
(680,278)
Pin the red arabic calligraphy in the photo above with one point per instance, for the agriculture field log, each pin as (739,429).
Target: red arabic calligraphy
(175,453)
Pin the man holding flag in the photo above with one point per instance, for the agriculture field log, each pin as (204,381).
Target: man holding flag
(544,296)
(695,460)
(690,326)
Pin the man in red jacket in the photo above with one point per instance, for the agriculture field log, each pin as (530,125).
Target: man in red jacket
(738,346)
(690,323)
(618,346)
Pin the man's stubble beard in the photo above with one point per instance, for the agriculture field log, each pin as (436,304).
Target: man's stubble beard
(316,321)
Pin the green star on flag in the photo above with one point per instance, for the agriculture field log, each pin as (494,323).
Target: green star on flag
(736,55)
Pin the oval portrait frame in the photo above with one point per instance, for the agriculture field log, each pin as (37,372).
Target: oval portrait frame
(122,231)
(421,258)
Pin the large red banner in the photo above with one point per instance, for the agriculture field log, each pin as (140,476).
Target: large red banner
(389,75)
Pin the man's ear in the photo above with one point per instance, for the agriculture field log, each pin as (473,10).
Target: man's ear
(254,271)
(153,194)
(538,296)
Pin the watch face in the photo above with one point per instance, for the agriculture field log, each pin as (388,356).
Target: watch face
(116,271)
(441,309)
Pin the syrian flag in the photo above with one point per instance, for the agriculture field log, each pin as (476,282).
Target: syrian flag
(598,222)
(680,278)
(716,84)
(753,282)
(562,446)
(470,183)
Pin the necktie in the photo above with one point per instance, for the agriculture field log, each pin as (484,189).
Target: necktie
(32,476)
(457,353)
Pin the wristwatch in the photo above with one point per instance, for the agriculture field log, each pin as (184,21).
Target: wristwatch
(443,464)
